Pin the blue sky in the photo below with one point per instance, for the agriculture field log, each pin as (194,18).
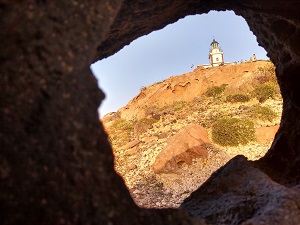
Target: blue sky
(171,51)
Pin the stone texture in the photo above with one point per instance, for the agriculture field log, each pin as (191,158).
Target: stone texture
(239,193)
(130,144)
(190,142)
(265,135)
(149,139)
(56,165)
(109,117)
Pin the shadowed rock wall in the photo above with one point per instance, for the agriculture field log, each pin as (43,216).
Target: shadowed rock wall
(56,166)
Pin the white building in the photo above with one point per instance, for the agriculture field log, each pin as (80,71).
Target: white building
(216,55)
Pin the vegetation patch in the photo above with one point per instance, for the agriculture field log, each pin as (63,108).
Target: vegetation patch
(122,124)
(143,125)
(120,131)
(267,74)
(212,117)
(143,88)
(151,110)
(238,98)
(179,105)
(233,131)
(215,91)
(264,91)
(263,113)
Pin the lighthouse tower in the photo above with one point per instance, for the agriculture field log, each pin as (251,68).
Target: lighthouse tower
(216,55)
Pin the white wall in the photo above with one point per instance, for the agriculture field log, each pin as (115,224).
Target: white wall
(216,54)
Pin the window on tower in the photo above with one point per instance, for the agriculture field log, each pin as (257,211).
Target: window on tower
(217,59)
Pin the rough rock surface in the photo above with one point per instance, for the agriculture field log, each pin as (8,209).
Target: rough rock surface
(265,135)
(190,142)
(110,117)
(56,165)
(240,193)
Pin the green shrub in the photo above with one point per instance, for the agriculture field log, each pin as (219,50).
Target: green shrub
(215,91)
(122,124)
(238,98)
(264,91)
(120,132)
(262,112)
(178,105)
(213,116)
(267,73)
(147,121)
(232,132)
(143,125)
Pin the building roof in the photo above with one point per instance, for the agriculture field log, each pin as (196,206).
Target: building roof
(214,41)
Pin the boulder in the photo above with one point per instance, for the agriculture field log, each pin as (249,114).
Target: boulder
(265,135)
(190,142)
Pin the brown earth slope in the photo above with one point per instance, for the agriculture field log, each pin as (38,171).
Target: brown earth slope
(187,86)
(147,125)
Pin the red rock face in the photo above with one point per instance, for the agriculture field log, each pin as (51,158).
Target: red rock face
(265,135)
(189,86)
(190,142)
(56,165)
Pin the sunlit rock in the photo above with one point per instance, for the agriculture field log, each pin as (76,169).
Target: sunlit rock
(190,142)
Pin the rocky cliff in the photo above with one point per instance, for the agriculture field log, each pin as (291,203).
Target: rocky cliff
(240,78)
(164,147)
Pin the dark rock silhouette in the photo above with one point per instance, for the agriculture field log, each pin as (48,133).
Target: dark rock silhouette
(238,193)
(56,165)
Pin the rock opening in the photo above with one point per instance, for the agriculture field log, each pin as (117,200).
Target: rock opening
(56,166)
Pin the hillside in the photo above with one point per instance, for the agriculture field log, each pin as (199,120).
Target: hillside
(187,86)
(142,132)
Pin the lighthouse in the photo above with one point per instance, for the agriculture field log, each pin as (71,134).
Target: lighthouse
(216,55)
